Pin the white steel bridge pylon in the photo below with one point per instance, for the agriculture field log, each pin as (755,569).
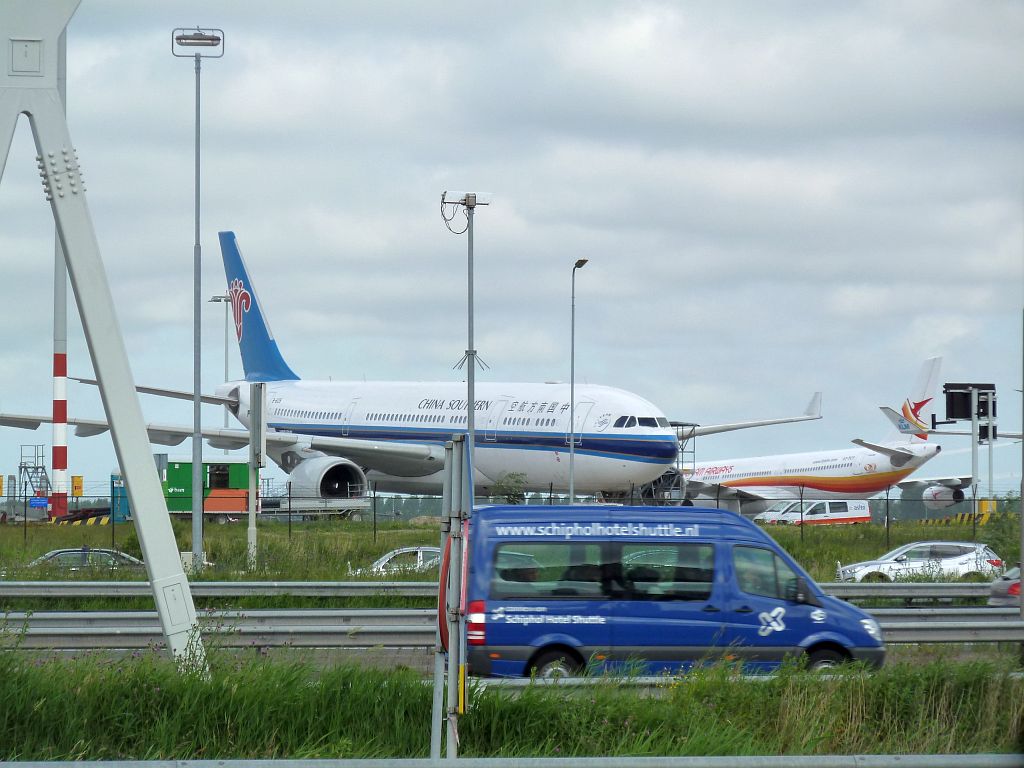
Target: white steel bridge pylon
(28,85)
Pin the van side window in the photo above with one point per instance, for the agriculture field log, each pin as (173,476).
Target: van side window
(668,571)
(762,572)
(542,571)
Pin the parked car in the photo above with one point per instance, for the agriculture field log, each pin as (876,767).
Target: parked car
(932,559)
(1005,591)
(85,558)
(826,513)
(815,513)
(404,560)
(771,515)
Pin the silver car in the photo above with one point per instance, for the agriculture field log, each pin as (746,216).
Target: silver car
(1005,591)
(85,558)
(930,559)
(404,560)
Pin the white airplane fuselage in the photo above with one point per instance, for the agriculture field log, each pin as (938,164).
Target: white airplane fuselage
(849,473)
(521,428)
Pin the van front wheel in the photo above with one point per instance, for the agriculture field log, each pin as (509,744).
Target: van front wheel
(824,658)
(553,664)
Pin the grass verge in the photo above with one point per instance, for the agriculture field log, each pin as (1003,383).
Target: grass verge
(141,708)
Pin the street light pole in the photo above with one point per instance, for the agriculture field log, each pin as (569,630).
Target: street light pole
(212,40)
(572,386)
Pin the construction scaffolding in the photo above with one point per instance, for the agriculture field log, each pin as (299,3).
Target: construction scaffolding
(33,479)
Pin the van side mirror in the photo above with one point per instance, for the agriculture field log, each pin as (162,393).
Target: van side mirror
(803,594)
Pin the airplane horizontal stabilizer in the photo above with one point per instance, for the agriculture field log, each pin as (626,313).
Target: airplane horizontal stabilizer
(177,394)
(885,450)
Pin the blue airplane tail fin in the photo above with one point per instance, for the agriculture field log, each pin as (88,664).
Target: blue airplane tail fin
(261,358)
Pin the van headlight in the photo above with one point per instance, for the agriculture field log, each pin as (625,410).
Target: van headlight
(872,628)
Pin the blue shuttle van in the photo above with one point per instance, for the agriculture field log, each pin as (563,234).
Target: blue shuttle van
(554,589)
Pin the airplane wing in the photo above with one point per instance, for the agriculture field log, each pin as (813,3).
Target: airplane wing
(687,431)
(704,490)
(405,459)
(919,484)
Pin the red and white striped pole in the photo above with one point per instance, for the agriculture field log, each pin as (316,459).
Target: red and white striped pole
(59,487)
(59,493)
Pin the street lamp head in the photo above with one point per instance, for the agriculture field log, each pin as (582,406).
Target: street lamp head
(218,298)
(579,263)
(198,38)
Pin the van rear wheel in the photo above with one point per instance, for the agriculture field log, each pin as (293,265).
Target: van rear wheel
(554,664)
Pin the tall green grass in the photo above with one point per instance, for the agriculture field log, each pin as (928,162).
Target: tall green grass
(141,708)
(323,550)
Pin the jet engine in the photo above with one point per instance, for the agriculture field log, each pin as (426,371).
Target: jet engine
(329,477)
(941,496)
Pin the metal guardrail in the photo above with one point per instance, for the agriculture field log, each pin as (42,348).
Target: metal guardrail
(408,617)
(851,590)
(222,588)
(131,630)
(844,590)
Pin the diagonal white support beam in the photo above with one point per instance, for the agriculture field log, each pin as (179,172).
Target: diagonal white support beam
(28,85)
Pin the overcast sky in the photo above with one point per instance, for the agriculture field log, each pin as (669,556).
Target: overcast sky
(775,198)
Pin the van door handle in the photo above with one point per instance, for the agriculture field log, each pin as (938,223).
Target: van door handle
(711,609)
(745,609)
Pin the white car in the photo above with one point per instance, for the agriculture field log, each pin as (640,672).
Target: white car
(772,515)
(404,560)
(931,559)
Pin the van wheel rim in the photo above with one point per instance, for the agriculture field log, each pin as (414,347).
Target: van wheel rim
(555,670)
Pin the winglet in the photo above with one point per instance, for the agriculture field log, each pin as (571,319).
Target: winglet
(814,407)
(261,358)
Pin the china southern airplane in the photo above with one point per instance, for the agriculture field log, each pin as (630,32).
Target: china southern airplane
(751,484)
(334,438)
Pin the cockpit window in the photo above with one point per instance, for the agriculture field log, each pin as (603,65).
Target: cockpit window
(620,422)
(663,422)
(648,421)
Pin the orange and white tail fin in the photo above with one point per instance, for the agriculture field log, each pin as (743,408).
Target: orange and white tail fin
(913,420)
